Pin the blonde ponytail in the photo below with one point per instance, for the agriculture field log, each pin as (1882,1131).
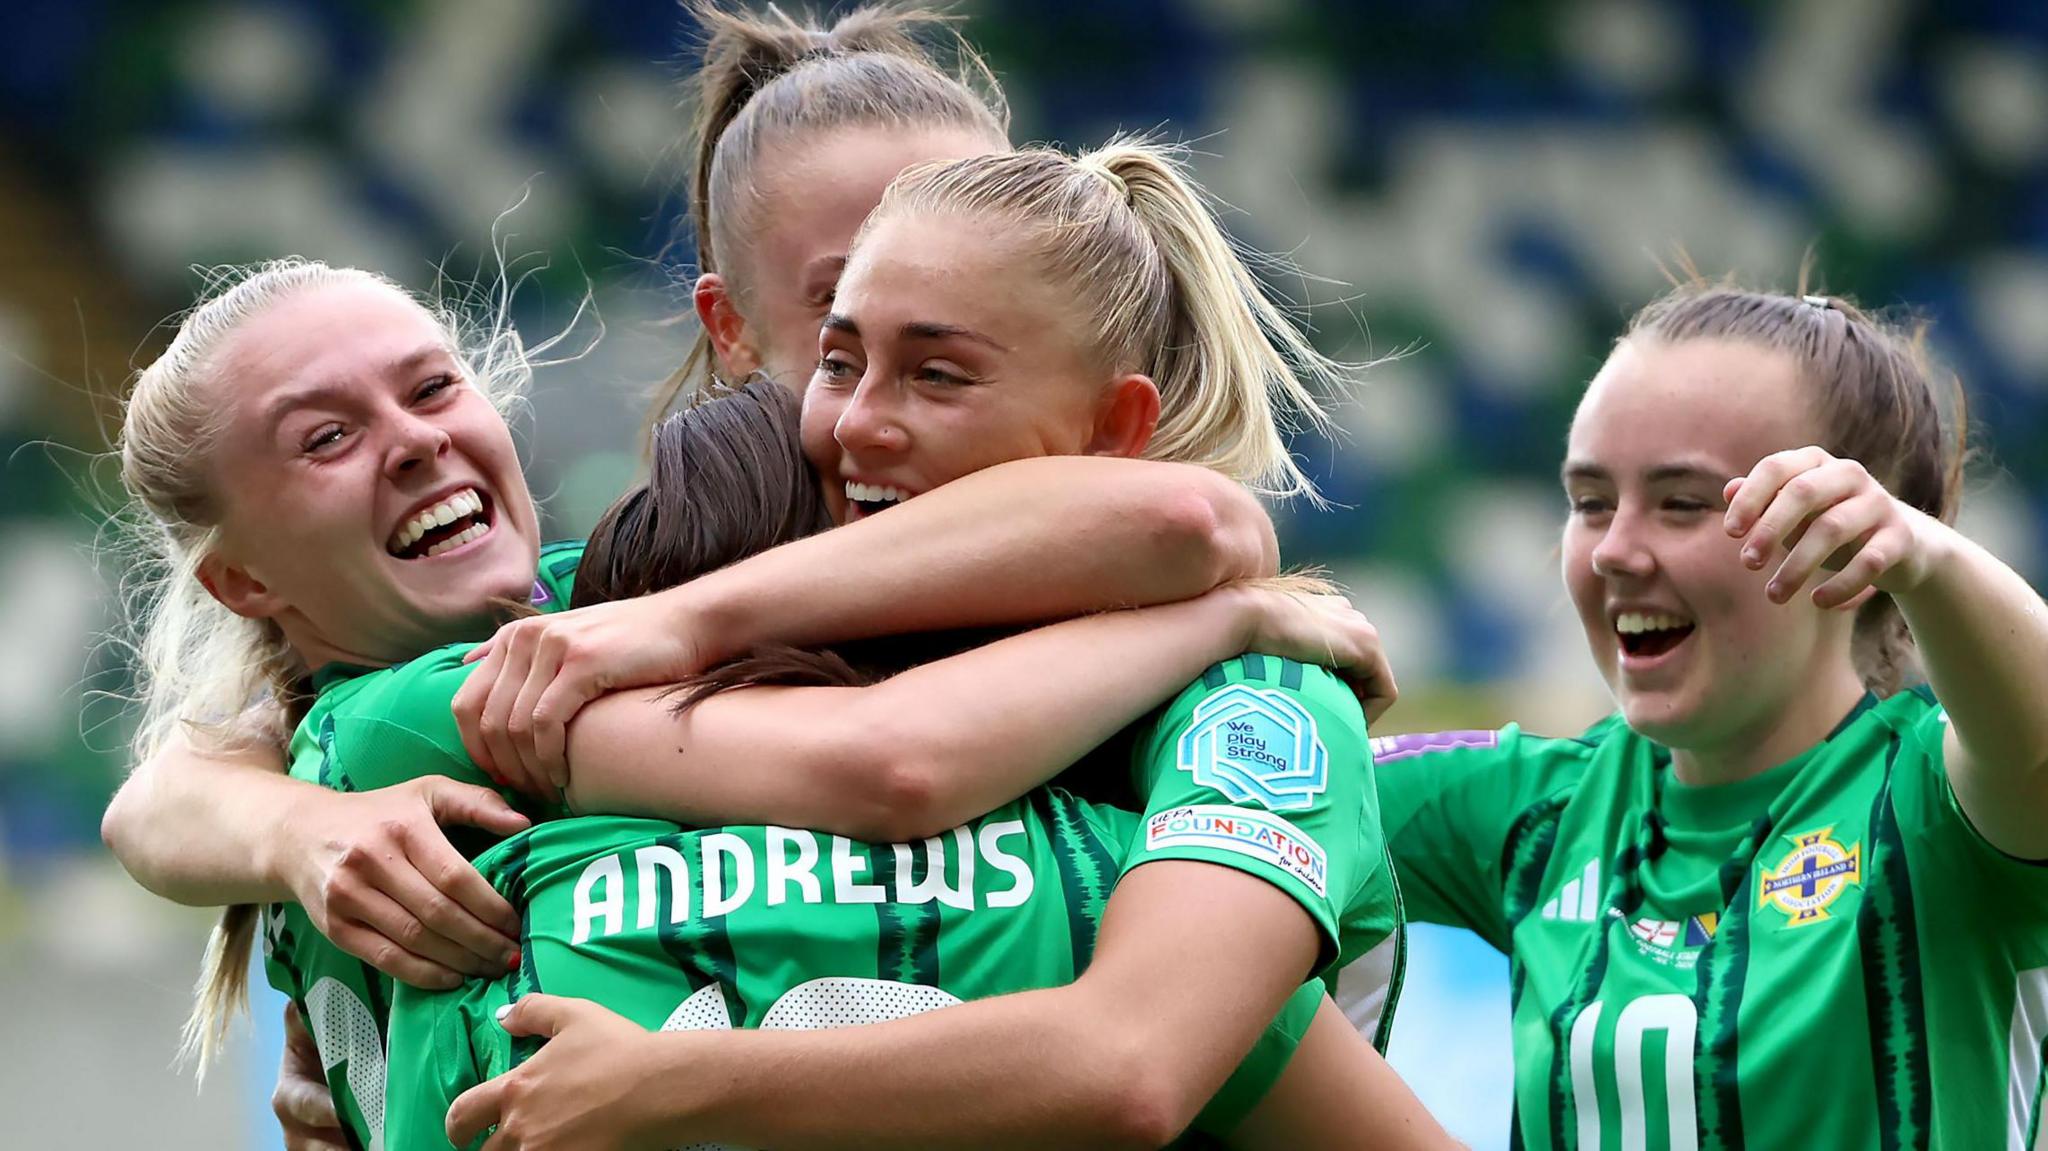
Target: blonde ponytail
(1137,248)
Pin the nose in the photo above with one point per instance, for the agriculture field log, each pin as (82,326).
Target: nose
(1622,550)
(872,420)
(414,443)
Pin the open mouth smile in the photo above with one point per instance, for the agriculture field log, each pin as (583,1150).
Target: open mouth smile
(448,523)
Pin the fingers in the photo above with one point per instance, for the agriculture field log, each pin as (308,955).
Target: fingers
(469,708)
(1782,524)
(537,1015)
(495,726)
(1853,586)
(1749,495)
(476,1111)
(472,806)
(1835,536)
(539,741)
(373,934)
(455,903)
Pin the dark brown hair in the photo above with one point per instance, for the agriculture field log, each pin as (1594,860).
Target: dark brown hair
(1877,397)
(766,77)
(727,479)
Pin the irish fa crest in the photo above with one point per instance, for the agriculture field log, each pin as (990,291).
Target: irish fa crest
(1256,746)
(1813,876)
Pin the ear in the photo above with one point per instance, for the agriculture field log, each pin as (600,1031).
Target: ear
(726,327)
(237,590)
(1126,417)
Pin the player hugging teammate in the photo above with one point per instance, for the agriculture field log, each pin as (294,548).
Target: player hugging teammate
(1041,387)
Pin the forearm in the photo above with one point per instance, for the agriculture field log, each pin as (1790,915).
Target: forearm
(1982,633)
(198,828)
(1021,542)
(1105,1061)
(1011,1072)
(981,728)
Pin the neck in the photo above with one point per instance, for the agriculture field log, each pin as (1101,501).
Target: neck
(1778,737)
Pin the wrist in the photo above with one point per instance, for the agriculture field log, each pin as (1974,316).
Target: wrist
(670,1076)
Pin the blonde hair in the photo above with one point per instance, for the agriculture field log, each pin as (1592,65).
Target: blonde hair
(1132,240)
(767,78)
(228,681)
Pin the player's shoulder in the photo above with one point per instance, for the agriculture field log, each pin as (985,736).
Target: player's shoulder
(424,683)
(1253,675)
(554,580)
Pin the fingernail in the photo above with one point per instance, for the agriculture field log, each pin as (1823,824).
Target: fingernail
(1754,557)
(512,963)
(1775,591)
(502,1012)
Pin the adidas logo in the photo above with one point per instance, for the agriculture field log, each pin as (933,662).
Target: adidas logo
(1579,901)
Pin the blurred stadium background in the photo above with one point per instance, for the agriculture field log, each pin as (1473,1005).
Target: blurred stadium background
(1489,185)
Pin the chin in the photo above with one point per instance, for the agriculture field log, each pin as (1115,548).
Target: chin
(1659,717)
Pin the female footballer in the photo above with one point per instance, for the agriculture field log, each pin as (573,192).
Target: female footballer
(1780,898)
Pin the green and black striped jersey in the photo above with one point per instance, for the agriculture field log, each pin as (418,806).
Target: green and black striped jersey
(1824,955)
(1260,766)
(369,729)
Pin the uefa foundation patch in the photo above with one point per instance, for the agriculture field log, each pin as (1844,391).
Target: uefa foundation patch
(1255,746)
(1267,838)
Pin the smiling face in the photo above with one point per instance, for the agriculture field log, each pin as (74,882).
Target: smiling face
(369,496)
(949,351)
(813,198)
(1696,656)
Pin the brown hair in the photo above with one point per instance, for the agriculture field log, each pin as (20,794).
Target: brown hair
(1879,400)
(727,479)
(1132,240)
(765,78)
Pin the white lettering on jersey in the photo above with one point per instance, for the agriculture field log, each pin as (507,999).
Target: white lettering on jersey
(933,886)
(647,859)
(612,908)
(845,867)
(720,900)
(728,870)
(992,836)
(781,871)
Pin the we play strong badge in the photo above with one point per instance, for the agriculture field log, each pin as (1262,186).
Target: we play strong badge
(1256,746)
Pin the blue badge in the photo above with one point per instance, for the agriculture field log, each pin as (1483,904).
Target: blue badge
(1256,746)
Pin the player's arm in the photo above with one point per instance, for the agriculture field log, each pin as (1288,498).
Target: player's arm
(1448,803)
(1338,1092)
(943,742)
(1021,542)
(374,870)
(1125,1056)
(1981,630)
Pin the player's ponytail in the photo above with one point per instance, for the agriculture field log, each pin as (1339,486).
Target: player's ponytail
(766,78)
(1135,245)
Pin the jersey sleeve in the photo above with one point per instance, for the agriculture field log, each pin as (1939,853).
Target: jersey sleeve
(402,727)
(1929,811)
(1261,766)
(1448,801)
(1265,1064)
(554,579)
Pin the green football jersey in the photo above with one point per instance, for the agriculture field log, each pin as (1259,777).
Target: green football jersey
(367,730)
(695,929)
(1262,765)
(1824,955)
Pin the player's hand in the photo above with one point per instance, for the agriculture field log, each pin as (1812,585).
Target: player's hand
(378,877)
(571,1094)
(1324,629)
(532,677)
(301,1100)
(1813,511)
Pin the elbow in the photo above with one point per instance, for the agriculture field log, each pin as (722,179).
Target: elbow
(895,798)
(124,829)
(1215,528)
(1144,1102)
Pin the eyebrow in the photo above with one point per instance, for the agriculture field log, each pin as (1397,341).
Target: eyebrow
(918,330)
(326,391)
(1660,474)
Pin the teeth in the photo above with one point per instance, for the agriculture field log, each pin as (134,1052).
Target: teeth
(874,493)
(1638,622)
(463,503)
(458,539)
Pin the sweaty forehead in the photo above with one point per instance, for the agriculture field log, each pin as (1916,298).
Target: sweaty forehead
(1725,401)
